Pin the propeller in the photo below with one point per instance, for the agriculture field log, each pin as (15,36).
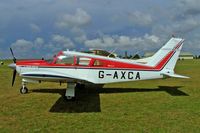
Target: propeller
(14,75)
(13,66)
(14,59)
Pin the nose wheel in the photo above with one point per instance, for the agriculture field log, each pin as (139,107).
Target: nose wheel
(24,89)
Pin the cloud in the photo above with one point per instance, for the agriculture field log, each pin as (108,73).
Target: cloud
(39,48)
(22,48)
(140,19)
(124,42)
(81,38)
(79,19)
(35,28)
(79,35)
(179,27)
(31,49)
(60,42)
(75,23)
(66,42)
(190,7)
(39,41)
(133,25)
(28,49)
(22,44)
(186,25)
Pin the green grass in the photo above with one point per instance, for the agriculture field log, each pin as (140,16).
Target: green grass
(166,105)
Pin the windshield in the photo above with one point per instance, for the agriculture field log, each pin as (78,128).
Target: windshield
(63,59)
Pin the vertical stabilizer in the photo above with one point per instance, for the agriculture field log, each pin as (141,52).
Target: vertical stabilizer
(168,54)
(165,59)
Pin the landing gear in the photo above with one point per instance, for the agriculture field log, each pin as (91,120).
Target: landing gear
(70,92)
(24,89)
(80,86)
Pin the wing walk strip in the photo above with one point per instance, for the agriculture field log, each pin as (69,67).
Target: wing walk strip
(43,75)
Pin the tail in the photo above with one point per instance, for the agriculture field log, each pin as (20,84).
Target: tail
(165,59)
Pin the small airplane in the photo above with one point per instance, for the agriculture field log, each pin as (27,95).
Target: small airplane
(78,68)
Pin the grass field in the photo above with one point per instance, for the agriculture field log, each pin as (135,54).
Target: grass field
(167,105)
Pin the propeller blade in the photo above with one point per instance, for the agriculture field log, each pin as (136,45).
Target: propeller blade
(14,75)
(14,59)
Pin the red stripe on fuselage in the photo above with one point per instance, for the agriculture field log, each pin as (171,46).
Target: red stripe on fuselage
(109,64)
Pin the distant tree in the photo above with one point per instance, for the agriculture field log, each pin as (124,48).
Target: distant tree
(130,57)
(120,56)
(136,56)
(199,57)
(126,55)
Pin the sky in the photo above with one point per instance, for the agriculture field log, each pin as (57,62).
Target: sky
(41,28)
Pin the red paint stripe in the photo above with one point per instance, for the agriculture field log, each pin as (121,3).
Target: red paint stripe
(110,64)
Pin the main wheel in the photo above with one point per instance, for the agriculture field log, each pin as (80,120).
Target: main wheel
(80,86)
(24,90)
(69,98)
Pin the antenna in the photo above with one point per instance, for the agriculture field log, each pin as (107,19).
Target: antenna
(135,54)
(112,52)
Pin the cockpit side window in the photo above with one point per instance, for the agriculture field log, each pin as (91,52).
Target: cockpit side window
(98,63)
(63,59)
(83,61)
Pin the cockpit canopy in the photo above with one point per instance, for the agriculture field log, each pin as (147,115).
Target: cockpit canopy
(72,60)
(77,60)
(65,59)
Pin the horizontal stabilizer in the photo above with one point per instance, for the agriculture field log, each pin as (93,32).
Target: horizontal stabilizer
(174,75)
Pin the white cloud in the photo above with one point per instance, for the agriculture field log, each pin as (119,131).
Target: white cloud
(151,38)
(80,39)
(158,20)
(124,42)
(79,34)
(60,42)
(35,28)
(186,25)
(28,49)
(31,49)
(79,19)
(75,22)
(179,27)
(94,43)
(22,48)
(140,19)
(190,7)
(22,44)
(39,41)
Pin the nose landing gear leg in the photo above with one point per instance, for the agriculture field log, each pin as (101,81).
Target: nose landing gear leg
(23,89)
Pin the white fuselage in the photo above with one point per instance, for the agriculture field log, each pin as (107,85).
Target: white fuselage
(93,75)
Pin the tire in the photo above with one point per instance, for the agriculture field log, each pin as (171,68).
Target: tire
(24,90)
(68,98)
(80,86)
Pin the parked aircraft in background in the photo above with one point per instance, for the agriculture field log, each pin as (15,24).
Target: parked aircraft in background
(77,68)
